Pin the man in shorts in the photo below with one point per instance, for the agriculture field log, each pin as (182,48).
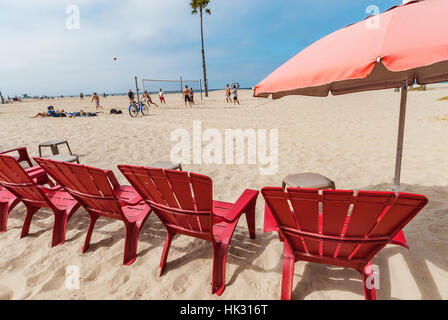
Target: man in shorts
(162,96)
(186,94)
(228,95)
(96,98)
(235,95)
(131,96)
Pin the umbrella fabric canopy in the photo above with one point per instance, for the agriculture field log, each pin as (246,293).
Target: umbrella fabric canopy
(410,43)
(404,45)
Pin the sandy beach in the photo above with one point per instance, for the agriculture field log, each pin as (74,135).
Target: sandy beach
(350,139)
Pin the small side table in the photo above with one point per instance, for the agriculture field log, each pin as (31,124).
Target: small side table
(308,181)
(54,146)
(166,165)
(65,158)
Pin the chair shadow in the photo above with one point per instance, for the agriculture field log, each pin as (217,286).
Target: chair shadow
(242,252)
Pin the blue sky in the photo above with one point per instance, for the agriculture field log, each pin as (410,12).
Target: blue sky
(245,41)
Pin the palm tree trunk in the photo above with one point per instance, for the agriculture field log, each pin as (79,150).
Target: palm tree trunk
(203,56)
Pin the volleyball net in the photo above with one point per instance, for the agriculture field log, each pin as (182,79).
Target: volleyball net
(153,86)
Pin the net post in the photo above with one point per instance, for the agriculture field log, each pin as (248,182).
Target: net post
(181,85)
(136,89)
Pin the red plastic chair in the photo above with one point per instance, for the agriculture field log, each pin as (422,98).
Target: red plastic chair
(184,204)
(99,192)
(22,155)
(349,231)
(25,186)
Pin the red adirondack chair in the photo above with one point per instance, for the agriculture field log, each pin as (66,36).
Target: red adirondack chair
(7,200)
(35,196)
(22,155)
(99,192)
(184,204)
(349,231)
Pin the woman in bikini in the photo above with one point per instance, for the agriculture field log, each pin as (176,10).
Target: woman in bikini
(148,99)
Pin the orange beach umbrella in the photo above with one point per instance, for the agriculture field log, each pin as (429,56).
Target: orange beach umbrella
(404,45)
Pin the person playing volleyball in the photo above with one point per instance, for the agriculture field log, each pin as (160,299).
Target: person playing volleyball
(148,99)
(162,96)
(186,94)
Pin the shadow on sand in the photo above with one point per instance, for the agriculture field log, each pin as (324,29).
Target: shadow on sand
(427,236)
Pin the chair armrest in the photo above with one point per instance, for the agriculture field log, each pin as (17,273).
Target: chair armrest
(122,194)
(246,199)
(113,180)
(23,155)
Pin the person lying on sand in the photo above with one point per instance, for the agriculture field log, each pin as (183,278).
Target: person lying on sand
(50,113)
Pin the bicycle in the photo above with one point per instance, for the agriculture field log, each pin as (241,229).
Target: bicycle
(138,107)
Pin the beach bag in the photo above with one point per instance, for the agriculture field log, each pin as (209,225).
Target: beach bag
(115,111)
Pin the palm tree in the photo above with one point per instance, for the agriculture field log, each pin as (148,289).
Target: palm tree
(200,6)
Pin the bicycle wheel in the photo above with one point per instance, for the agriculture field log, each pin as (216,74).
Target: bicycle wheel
(145,110)
(133,110)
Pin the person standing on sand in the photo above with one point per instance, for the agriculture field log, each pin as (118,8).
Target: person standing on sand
(148,99)
(96,98)
(235,95)
(186,94)
(81,96)
(191,95)
(131,96)
(162,96)
(228,95)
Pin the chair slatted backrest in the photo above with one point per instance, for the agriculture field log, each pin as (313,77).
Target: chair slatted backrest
(91,187)
(182,201)
(14,178)
(338,224)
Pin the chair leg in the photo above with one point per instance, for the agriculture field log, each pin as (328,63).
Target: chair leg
(250,218)
(219,268)
(369,282)
(93,219)
(400,240)
(166,250)
(289,262)
(5,209)
(59,228)
(130,245)
(30,211)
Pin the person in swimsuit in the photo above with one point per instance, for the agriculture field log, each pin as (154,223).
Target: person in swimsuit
(192,95)
(81,96)
(228,95)
(148,99)
(162,96)
(186,94)
(50,113)
(96,98)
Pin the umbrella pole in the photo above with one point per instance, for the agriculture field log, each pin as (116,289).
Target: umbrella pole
(404,98)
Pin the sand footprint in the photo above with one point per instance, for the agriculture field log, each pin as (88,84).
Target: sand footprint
(6,293)
(180,283)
